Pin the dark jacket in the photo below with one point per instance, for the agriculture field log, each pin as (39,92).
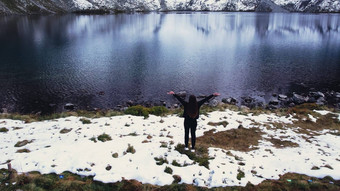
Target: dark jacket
(185,104)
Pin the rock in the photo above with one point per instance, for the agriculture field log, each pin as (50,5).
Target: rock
(321,101)
(337,95)
(176,105)
(69,106)
(316,95)
(282,97)
(248,99)
(182,94)
(311,100)
(273,101)
(163,103)
(291,104)
(299,99)
(177,179)
(108,167)
(213,103)
(101,93)
(4,110)
(130,103)
(230,100)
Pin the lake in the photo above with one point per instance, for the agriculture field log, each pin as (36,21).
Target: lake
(101,61)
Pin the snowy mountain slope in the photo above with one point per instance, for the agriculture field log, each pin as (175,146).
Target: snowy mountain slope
(57,6)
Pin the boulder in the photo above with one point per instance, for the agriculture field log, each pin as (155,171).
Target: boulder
(130,103)
(316,95)
(213,103)
(230,100)
(299,99)
(321,101)
(282,97)
(69,106)
(273,101)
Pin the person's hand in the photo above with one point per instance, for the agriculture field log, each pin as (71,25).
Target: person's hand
(216,94)
(171,92)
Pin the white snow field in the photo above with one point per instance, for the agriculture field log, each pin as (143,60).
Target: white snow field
(72,150)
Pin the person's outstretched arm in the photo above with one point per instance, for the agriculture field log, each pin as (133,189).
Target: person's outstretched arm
(178,98)
(201,102)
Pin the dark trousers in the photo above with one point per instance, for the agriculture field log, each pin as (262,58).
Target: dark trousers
(190,124)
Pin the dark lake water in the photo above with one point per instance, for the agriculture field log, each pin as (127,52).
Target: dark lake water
(105,60)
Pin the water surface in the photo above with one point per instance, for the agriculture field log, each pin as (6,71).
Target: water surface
(105,60)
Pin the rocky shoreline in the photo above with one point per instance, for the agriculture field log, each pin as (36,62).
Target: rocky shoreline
(330,99)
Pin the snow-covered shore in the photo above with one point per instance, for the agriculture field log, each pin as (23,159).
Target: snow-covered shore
(66,144)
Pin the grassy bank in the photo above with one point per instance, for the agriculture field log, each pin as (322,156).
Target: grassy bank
(70,181)
(138,110)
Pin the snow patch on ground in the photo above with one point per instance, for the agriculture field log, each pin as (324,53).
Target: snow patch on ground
(53,151)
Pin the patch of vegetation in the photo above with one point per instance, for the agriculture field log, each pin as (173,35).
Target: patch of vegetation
(161,160)
(164,144)
(79,113)
(158,110)
(22,143)
(168,170)
(104,137)
(130,149)
(133,134)
(235,139)
(94,139)
(23,151)
(85,121)
(224,123)
(240,174)
(201,155)
(175,163)
(282,144)
(329,121)
(64,131)
(139,110)
(3,130)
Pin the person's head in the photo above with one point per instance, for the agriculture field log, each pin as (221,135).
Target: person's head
(192,109)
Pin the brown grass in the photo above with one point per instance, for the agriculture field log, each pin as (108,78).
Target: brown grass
(236,139)
(282,144)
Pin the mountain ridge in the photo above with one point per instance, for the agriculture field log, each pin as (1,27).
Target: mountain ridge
(114,6)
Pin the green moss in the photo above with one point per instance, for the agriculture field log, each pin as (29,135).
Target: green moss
(158,110)
(85,121)
(240,174)
(94,139)
(104,137)
(138,110)
(201,155)
(130,149)
(175,163)
(161,160)
(168,170)
(3,130)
